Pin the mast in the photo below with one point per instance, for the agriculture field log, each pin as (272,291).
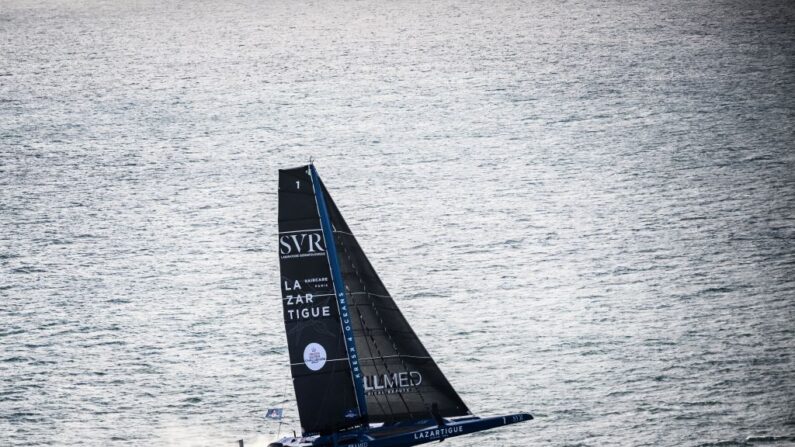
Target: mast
(339,291)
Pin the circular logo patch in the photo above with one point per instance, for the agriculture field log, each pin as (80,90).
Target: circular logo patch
(314,356)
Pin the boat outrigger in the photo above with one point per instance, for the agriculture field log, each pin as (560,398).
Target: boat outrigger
(362,377)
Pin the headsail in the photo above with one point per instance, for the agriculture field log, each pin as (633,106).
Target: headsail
(401,380)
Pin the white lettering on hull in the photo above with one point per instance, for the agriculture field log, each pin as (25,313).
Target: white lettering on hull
(438,433)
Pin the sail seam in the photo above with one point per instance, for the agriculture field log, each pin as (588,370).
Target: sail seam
(394,344)
(314,295)
(301,231)
(368,332)
(327,360)
(398,356)
(370,293)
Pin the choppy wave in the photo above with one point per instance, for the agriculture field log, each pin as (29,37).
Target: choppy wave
(583,208)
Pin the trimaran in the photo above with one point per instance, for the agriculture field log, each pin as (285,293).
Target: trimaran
(362,378)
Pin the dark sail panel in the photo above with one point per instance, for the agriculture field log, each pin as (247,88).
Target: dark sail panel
(320,367)
(401,380)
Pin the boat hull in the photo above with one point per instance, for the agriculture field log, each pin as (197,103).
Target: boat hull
(420,435)
(449,430)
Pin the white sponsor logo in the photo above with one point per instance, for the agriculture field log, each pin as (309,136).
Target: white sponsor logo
(314,356)
(392,383)
(301,244)
(438,433)
(308,313)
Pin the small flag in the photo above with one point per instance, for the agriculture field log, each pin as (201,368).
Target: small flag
(275,413)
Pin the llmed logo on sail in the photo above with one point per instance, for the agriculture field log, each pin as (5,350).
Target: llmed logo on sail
(399,382)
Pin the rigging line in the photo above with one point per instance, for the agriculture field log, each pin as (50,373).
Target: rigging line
(399,355)
(405,367)
(394,345)
(301,231)
(283,395)
(368,332)
(337,281)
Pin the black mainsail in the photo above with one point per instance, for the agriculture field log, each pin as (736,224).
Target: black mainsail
(320,366)
(354,358)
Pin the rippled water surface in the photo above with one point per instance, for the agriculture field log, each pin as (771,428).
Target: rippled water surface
(585,209)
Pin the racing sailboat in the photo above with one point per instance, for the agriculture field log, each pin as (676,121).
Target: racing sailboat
(362,377)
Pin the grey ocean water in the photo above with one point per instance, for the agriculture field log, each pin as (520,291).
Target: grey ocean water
(585,209)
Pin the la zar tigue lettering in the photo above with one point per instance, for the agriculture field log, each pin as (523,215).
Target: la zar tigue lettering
(301,244)
(308,312)
(305,312)
(438,432)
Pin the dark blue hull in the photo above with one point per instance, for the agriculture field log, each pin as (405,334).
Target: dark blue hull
(421,432)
